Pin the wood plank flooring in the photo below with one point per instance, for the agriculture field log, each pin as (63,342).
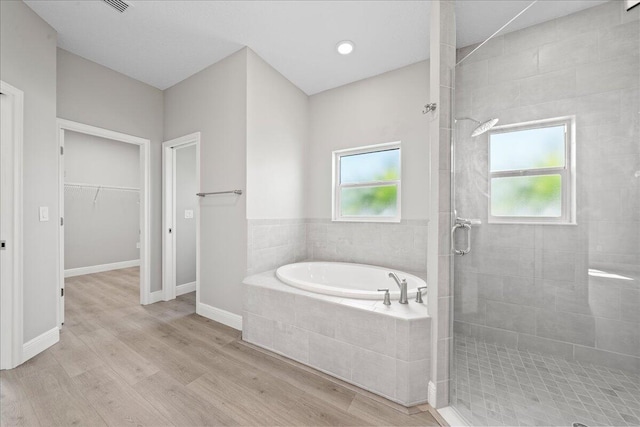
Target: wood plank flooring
(119,363)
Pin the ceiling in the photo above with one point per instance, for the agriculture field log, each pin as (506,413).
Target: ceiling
(162,42)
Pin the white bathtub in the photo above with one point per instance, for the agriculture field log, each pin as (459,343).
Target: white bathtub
(347,280)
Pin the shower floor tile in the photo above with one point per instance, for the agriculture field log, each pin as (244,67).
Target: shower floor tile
(495,385)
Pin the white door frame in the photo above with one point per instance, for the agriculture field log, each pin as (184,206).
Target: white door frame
(145,203)
(169,214)
(11,319)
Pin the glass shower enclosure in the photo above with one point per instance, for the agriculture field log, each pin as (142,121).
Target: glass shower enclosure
(546,227)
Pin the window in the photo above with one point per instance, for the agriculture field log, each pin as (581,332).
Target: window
(531,172)
(366,183)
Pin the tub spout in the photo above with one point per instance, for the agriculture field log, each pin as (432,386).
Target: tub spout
(402,284)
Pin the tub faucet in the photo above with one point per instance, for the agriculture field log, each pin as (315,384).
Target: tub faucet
(402,284)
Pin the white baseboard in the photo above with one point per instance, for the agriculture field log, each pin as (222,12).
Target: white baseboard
(100,268)
(431,393)
(453,417)
(186,288)
(155,297)
(40,343)
(222,316)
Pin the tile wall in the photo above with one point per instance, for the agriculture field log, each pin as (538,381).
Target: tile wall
(565,290)
(387,354)
(273,243)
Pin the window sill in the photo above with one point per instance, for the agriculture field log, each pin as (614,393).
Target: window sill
(369,220)
(530,223)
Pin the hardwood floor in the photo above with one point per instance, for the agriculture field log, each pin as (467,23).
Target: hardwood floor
(119,363)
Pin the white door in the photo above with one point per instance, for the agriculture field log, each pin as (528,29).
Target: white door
(10,227)
(181,216)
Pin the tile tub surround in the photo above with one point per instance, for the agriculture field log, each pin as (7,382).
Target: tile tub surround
(276,242)
(385,350)
(401,246)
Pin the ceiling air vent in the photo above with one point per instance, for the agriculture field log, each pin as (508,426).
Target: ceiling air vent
(118,5)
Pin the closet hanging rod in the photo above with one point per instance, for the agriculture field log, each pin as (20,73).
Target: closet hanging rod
(104,187)
(238,192)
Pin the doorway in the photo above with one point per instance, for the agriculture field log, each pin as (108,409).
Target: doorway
(11,117)
(181,217)
(67,130)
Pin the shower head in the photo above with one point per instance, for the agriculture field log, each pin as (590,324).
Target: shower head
(482,126)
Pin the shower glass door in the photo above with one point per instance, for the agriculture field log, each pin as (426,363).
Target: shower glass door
(546,314)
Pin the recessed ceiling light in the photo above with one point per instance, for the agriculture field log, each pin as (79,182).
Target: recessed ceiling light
(345,47)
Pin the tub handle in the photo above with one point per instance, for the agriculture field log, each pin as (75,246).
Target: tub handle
(419,294)
(387,296)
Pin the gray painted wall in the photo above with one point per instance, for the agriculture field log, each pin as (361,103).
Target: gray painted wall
(277,141)
(214,102)
(379,109)
(528,286)
(185,228)
(28,62)
(95,95)
(103,229)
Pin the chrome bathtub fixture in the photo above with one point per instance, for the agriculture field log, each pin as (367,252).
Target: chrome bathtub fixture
(387,296)
(402,284)
(419,295)
(482,126)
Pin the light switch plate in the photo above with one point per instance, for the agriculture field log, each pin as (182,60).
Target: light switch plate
(188,213)
(138,245)
(44,213)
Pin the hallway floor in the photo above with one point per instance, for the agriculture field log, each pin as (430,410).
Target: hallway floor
(499,386)
(119,363)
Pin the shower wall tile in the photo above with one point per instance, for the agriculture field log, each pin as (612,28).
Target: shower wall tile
(606,358)
(513,66)
(494,47)
(548,87)
(617,73)
(630,305)
(513,317)
(528,291)
(503,337)
(586,20)
(568,327)
(485,101)
(531,37)
(618,337)
(536,344)
(606,300)
(621,40)
(570,51)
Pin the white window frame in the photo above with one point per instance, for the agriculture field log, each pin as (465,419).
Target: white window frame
(337,156)
(567,173)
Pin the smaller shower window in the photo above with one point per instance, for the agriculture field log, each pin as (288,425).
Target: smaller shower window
(531,172)
(367,184)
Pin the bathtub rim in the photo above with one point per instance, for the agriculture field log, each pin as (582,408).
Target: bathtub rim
(412,310)
(353,293)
